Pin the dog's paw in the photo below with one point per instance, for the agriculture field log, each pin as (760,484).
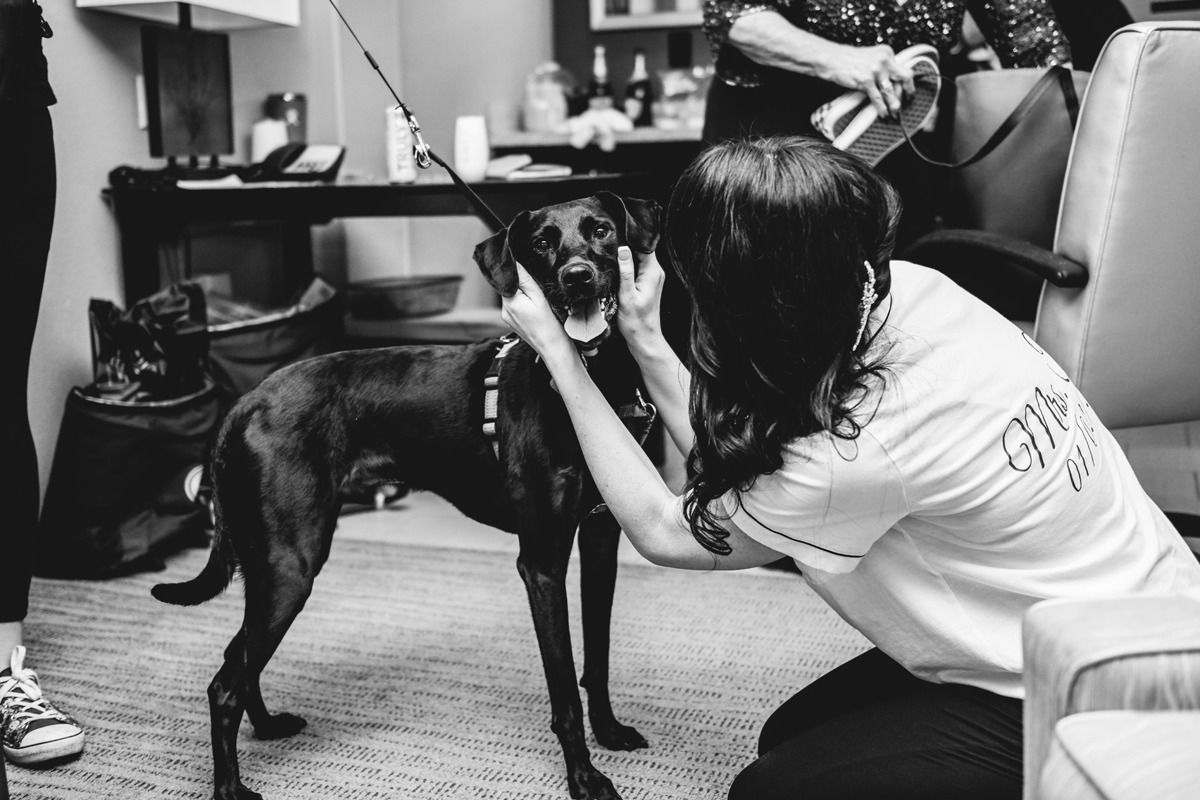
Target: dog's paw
(279,726)
(615,736)
(239,792)
(591,784)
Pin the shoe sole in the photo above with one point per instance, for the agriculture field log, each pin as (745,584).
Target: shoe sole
(46,751)
(872,138)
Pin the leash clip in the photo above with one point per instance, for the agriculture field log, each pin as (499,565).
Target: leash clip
(420,149)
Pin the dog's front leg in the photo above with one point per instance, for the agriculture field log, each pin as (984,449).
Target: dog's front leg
(599,536)
(543,567)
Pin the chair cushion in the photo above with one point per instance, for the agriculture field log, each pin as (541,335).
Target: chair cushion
(1134,652)
(1124,755)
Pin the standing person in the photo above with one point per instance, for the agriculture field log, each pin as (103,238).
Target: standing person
(777,61)
(930,469)
(32,730)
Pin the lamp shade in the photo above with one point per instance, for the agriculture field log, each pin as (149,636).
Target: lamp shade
(209,15)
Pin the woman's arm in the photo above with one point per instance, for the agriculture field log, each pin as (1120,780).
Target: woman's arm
(639,320)
(767,38)
(634,491)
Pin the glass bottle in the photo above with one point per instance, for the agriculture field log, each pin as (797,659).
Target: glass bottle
(600,91)
(638,92)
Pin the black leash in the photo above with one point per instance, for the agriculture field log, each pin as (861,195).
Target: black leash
(423,154)
(1054,75)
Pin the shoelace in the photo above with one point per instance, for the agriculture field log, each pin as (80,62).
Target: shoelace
(21,694)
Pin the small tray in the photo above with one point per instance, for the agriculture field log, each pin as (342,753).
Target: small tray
(396,298)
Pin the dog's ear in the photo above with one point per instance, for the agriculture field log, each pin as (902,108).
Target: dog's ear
(495,256)
(642,220)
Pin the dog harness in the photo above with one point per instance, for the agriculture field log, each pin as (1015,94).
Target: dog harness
(638,415)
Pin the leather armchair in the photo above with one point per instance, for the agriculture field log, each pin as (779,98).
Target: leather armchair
(1112,684)
(1120,299)
(1112,698)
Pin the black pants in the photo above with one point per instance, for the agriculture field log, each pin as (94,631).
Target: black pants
(27,193)
(870,729)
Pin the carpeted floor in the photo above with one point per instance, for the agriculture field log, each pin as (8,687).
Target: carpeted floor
(418,672)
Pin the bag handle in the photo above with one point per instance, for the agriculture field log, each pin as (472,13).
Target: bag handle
(1056,74)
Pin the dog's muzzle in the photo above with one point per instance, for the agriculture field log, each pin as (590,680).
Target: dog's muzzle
(587,321)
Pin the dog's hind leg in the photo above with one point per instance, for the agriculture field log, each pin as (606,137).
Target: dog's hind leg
(599,536)
(226,698)
(543,567)
(272,603)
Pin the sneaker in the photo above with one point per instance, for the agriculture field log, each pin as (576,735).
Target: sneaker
(32,730)
(853,124)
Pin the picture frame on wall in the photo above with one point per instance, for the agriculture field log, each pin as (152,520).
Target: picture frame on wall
(618,15)
(189,95)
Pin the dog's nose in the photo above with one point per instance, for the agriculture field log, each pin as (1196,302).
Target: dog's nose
(576,276)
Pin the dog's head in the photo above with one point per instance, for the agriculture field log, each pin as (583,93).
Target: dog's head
(571,251)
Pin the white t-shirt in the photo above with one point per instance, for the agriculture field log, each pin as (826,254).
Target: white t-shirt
(982,484)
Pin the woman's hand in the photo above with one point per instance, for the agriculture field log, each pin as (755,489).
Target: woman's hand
(528,313)
(767,38)
(872,70)
(639,298)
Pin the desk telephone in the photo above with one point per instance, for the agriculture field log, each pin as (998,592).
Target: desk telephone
(301,162)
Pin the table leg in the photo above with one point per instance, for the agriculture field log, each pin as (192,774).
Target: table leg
(297,257)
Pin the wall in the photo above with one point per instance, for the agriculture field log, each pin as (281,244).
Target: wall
(93,59)
(459,57)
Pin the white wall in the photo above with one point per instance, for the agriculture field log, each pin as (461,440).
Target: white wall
(447,57)
(457,57)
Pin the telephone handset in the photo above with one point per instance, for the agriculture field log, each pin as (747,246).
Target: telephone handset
(297,161)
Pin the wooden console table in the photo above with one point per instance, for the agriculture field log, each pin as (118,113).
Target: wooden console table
(150,218)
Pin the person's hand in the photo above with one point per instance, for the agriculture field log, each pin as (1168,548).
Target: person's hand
(872,70)
(528,313)
(639,298)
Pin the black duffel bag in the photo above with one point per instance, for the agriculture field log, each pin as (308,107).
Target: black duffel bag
(123,486)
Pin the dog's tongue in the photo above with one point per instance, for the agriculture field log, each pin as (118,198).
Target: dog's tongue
(586,322)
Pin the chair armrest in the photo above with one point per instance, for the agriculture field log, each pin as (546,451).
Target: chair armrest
(1132,652)
(1043,263)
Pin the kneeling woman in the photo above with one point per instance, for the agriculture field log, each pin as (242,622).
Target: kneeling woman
(920,458)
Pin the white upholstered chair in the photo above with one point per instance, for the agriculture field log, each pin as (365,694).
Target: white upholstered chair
(1120,311)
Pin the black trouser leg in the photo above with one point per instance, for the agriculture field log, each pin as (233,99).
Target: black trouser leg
(871,729)
(27,189)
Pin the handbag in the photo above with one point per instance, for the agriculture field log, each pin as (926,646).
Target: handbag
(1010,144)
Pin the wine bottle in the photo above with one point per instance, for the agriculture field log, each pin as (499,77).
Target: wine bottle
(639,93)
(600,91)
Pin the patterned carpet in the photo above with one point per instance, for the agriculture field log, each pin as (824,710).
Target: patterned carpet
(418,672)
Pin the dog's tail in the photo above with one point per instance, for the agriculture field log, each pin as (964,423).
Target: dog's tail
(211,581)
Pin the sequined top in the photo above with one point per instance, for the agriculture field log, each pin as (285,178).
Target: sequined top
(1024,33)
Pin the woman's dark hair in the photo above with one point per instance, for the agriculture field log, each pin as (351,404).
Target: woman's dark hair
(770,237)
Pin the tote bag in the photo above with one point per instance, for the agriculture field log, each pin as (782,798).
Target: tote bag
(1028,117)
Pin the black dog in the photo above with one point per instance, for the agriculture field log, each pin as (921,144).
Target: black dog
(414,415)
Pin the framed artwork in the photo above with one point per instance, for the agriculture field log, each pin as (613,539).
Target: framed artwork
(618,15)
(189,100)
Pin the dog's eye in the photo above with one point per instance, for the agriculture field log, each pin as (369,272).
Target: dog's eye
(541,245)
(602,231)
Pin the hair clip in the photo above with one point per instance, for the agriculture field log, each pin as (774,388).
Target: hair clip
(865,305)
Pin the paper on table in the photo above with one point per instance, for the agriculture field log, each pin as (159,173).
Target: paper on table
(229,181)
